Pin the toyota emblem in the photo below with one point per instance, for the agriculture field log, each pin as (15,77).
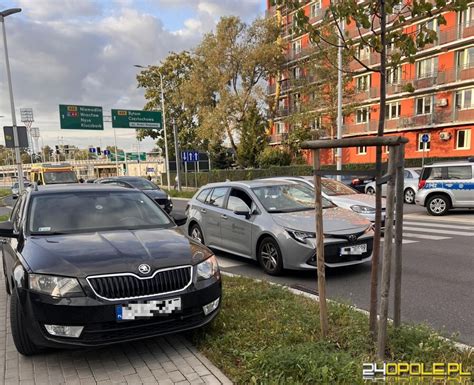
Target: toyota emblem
(352,238)
(144,268)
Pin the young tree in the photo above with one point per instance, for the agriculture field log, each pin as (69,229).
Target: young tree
(377,35)
(230,66)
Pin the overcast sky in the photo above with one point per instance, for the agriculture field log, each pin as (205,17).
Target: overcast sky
(83,52)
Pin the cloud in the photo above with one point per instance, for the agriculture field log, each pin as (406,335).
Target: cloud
(83,52)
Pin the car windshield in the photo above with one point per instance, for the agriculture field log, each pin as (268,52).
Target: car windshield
(59,177)
(334,188)
(287,198)
(91,211)
(143,184)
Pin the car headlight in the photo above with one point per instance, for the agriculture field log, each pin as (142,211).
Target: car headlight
(363,209)
(208,269)
(169,197)
(55,286)
(301,236)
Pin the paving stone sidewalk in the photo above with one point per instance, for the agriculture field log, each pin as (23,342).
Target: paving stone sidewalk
(165,360)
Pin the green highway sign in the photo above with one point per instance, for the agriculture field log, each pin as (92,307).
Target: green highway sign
(134,156)
(136,119)
(73,117)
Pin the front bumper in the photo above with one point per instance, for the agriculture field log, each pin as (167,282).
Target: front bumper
(165,204)
(98,317)
(301,256)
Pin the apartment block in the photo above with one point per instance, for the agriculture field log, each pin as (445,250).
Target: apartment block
(433,96)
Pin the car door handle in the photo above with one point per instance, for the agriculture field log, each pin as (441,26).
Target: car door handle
(203,210)
(223,216)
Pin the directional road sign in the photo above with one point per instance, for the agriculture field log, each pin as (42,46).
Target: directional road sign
(425,138)
(136,119)
(73,117)
(190,156)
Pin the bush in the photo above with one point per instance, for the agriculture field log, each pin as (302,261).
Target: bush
(273,156)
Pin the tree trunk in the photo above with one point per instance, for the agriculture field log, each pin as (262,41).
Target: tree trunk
(378,167)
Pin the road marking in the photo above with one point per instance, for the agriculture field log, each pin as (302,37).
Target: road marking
(436,231)
(451,218)
(425,236)
(404,241)
(226,263)
(440,225)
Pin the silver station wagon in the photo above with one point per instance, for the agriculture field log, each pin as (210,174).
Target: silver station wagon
(273,222)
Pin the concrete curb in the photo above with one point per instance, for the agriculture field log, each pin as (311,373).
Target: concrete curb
(314,297)
(180,199)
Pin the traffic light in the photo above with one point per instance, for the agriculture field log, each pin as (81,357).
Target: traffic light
(66,149)
(57,150)
(99,152)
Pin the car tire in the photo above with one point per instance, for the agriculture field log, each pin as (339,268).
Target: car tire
(409,196)
(195,233)
(438,205)
(370,191)
(22,340)
(269,256)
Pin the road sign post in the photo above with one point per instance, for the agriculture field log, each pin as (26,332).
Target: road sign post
(425,138)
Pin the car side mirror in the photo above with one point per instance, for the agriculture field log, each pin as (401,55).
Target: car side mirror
(14,196)
(243,211)
(6,230)
(179,219)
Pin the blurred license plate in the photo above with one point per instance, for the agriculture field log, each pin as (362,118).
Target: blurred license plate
(354,250)
(147,309)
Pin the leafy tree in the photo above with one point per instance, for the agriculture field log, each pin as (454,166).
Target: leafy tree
(274,156)
(226,80)
(221,157)
(175,71)
(252,138)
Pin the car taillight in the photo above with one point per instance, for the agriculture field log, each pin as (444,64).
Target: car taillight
(421,183)
(356,181)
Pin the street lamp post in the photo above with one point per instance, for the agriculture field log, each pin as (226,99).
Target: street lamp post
(164,126)
(16,142)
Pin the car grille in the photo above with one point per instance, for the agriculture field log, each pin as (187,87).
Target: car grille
(162,202)
(125,286)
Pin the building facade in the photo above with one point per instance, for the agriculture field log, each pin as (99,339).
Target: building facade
(440,103)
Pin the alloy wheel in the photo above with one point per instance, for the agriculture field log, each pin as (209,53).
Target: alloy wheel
(196,234)
(409,196)
(269,256)
(438,205)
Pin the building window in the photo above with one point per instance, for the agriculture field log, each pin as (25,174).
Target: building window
(423,105)
(467,17)
(315,9)
(393,110)
(426,68)
(386,149)
(317,123)
(464,99)
(296,73)
(363,83)
(362,115)
(428,26)
(362,53)
(394,75)
(296,102)
(465,58)
(361,150)
(463,139)
(427,145)
(280,128)
(297,47)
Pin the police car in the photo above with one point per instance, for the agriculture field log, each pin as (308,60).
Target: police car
(445,186)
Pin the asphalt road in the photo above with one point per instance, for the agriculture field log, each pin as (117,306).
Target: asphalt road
(437,276)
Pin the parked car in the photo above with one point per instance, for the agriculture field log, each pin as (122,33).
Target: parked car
(410,187)
(343,196)
(16,187)
(445,186)
(273,222)
(90,265)
(149,188)
(357,183)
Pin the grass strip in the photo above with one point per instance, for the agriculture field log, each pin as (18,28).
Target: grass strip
(268,335)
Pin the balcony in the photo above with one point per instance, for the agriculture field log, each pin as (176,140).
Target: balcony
(278,138)
(371,93)
(465,72)
(428,80)
(463,115)
(318,16)
(295,55)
